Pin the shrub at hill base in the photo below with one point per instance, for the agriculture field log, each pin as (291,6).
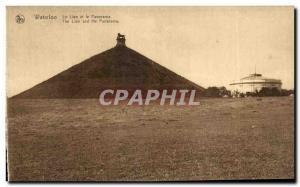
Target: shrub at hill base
(217,92)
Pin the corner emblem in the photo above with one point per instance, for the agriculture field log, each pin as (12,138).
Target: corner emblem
(20,19)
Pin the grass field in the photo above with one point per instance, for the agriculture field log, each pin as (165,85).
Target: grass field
(79,140)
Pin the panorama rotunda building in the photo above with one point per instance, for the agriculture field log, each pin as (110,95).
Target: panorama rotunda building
(254,83)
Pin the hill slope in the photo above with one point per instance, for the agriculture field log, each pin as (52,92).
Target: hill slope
(116,68)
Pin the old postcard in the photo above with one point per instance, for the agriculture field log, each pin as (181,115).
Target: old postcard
(150,93)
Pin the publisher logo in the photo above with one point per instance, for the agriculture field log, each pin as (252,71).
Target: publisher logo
(20,19)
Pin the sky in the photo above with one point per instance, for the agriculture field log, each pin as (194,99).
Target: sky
(211,46)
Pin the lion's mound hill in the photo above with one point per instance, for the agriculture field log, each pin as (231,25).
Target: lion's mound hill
(117,68)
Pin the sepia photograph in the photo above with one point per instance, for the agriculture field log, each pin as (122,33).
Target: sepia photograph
(150,93)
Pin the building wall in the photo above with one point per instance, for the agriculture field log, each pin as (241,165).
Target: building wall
(243,88)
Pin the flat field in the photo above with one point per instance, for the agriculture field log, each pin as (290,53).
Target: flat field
(79,140)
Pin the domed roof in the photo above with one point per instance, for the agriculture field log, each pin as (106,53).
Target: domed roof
(256,78)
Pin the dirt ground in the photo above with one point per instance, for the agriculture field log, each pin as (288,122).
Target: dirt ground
(79,140)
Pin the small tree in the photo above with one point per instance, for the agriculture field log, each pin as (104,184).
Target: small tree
(224,92)
(212,92)
(216,92)
(269,92)
(285,92)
